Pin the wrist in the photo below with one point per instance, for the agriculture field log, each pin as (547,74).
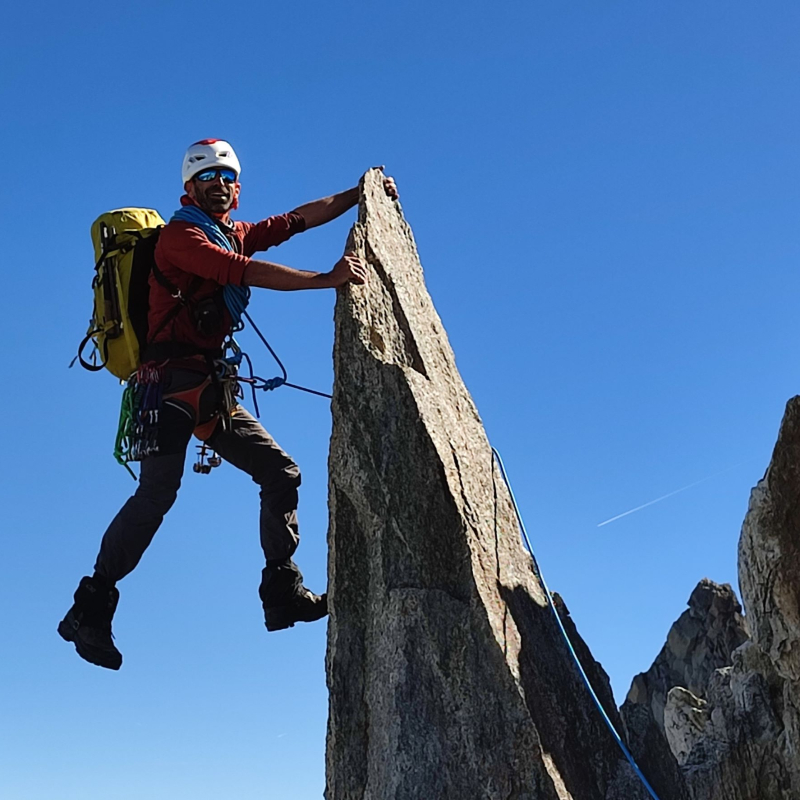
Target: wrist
(325,280)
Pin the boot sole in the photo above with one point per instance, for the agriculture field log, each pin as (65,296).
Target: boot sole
(99,659)
(279,622)
(279,618)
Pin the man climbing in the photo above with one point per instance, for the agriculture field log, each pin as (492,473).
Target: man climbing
(199,284)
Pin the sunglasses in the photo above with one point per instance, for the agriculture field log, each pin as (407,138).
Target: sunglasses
(227,175)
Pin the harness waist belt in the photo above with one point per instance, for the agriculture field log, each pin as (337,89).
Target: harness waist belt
(161,351)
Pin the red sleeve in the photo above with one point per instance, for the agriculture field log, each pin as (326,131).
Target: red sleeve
(270,232)
(186,247)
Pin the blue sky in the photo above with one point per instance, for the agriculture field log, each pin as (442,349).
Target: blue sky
(605,199)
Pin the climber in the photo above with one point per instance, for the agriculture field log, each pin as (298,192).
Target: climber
(189,322)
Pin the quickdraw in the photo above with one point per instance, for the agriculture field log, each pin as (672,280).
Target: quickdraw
(137,433)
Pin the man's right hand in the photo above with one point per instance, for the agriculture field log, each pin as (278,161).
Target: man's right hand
(348,268)
(267,275)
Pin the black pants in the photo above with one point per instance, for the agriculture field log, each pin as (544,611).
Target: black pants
(246,445)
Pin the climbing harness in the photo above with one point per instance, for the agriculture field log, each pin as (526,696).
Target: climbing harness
(145,396)
(537,571)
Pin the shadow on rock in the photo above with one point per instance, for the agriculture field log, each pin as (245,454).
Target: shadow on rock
(562,711)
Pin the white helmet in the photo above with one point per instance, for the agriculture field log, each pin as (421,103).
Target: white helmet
(208,154)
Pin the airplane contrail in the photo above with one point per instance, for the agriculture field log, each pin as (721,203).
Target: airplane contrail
(671,494)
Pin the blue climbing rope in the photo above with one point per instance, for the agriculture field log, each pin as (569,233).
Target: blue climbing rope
(274,383)
(564,633)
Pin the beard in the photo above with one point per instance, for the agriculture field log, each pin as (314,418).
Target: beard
(217,204)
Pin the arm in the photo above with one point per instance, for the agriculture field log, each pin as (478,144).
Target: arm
(318,212)
(266,275)
(269,232)
(187,248)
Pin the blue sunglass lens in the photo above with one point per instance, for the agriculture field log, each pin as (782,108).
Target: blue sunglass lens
(227,175)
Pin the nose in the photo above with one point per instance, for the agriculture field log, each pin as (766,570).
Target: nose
(217,185)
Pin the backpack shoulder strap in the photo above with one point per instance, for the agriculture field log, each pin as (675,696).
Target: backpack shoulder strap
(183,299)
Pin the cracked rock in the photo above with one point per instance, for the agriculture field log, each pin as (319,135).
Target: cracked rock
(447,673)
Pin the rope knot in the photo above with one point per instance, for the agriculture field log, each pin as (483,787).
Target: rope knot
(273,383)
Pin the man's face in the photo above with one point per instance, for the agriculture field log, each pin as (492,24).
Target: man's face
(216,195)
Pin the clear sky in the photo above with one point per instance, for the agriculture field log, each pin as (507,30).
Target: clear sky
(605,198)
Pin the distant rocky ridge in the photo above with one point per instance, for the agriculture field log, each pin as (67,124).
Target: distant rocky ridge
(724,691)
(447,674)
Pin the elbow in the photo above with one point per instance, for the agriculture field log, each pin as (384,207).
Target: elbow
(309,218)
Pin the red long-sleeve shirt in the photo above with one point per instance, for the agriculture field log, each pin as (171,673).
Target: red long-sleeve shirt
(184,251)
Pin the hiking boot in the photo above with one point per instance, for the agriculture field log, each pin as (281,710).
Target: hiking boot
(304,606)
(88,623)
(285,599)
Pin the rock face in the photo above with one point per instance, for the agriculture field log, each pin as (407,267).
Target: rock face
(727,704)
(448,677)
(769,553)
(700,642)
(769,576)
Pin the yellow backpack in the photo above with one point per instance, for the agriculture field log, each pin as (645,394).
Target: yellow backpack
(124,246)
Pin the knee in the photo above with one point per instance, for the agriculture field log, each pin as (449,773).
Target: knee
(292,473)
(158,487)
(284,478)
(161,497)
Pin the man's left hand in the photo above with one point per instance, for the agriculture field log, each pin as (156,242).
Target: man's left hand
(389,186)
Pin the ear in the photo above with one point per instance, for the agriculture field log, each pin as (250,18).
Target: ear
(236,189)
(189,189)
